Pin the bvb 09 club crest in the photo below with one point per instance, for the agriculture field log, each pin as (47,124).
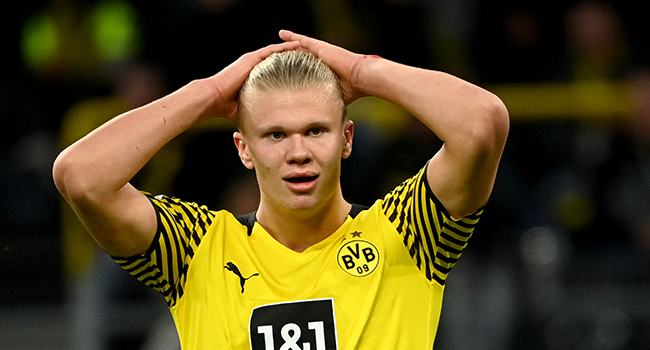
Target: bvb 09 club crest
(359,258)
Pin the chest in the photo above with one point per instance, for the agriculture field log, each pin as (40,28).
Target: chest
(257,293)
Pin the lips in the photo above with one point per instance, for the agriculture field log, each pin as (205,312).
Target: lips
(301,182)
(300,179)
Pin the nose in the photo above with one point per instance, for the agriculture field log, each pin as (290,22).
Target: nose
(298,151)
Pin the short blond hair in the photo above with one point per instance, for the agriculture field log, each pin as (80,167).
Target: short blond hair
(290,71)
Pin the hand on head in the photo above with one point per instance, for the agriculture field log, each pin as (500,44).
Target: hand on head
(227,82)
(344,63)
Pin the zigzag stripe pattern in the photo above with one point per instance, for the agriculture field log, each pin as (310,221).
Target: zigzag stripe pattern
(434,240)
(181,227)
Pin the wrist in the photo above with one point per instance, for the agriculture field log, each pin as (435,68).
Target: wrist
(206,98)
(369,70)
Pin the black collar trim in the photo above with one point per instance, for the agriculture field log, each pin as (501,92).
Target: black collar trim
(249,219)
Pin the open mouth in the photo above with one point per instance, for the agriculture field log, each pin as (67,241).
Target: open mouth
(301,179)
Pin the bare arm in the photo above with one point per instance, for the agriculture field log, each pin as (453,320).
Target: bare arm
(472,122)
(93,174)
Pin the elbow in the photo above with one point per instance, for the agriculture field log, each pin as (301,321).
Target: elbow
(62,174)
(493,125)
(68,177)
(497,117)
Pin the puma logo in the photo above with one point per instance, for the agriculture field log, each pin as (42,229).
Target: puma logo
(234,269)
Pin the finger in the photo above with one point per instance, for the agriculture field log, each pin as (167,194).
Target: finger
(274,48)
(257,56)
(288,35)
(238,71)
(309,43)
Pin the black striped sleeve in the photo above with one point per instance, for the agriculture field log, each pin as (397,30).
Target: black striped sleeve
(181,227)
(432,237)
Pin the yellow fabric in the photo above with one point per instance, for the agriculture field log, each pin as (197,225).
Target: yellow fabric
(375,283)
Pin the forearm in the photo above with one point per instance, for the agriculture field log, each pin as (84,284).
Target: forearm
(107,158)
(472,122)
(93,174)
(457,111)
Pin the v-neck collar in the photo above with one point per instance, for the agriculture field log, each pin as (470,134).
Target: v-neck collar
(250,220)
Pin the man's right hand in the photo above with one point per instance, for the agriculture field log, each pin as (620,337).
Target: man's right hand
(93,174)
(227,83)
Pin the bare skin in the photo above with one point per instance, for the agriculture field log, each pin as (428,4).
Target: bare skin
(94,173)
(472,122)
(295,141)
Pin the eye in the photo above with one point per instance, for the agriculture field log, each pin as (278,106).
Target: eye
(276,135)
(315,131)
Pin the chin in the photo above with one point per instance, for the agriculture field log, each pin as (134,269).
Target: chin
(303,203)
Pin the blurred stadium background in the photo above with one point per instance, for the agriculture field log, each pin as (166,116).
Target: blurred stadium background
(561,259)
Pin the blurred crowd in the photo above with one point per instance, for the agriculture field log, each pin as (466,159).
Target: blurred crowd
(561,259)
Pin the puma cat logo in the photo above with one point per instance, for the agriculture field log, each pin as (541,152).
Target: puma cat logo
(230,266)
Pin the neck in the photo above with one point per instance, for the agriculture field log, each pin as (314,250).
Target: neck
(300,229)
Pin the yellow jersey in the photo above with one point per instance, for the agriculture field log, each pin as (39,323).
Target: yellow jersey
(377,282)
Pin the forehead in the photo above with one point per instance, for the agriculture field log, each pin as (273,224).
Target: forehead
(280,107)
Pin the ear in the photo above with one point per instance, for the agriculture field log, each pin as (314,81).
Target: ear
(242,149)
(348,134)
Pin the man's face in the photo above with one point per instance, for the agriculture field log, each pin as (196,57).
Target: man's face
(295,142)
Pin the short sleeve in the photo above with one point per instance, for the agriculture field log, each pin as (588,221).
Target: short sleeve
(432,237)
(181,227)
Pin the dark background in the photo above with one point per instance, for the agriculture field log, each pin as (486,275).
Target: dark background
(559,261)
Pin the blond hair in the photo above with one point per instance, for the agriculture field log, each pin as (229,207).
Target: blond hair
(290,71)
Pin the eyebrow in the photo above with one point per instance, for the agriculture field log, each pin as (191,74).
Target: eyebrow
(281,127)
